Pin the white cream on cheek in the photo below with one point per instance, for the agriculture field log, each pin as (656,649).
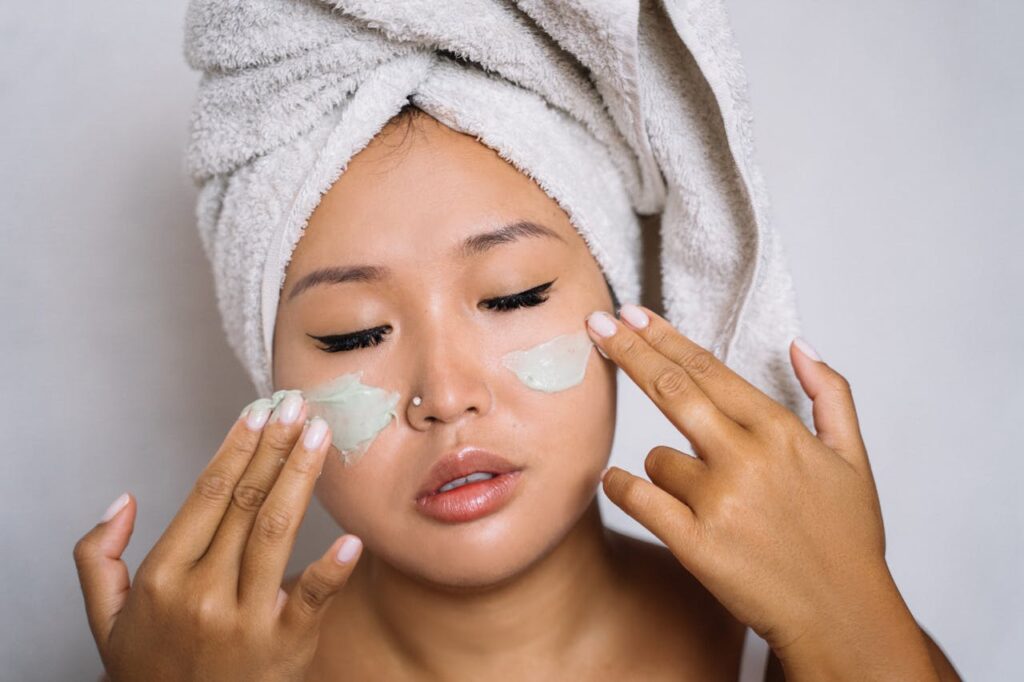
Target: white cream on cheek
(554,365)
(356,412)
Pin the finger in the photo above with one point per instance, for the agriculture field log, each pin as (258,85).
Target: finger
(677,473)
(835,415)
(248,496)
(667,384)
(303,610)
(270,543)
(731,393)
(192,529)
(101,572)
(670,519)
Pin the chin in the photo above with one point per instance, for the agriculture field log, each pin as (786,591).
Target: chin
(468,559)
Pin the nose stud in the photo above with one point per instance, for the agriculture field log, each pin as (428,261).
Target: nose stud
(417,401)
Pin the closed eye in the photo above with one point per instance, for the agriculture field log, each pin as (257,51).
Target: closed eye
(524,299)
(336,343)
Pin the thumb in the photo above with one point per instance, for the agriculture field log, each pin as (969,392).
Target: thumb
(305,605)
(101,571)
(835,415)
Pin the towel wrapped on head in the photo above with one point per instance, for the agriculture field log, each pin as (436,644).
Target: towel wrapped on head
(615,109)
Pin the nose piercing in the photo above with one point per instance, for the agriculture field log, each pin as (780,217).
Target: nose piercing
(417,401)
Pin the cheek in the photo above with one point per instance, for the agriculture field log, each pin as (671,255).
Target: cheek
(570,384)
(567,438)
(363,497)
(565,398)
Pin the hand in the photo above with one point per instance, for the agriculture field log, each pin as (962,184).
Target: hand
(782,525)
(206,602)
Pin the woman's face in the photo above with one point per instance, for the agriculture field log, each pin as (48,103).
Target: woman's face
(406,204)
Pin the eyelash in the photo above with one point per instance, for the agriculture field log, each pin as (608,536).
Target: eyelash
(524,299)
(372,337)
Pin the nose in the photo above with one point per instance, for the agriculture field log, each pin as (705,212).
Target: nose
(450,380)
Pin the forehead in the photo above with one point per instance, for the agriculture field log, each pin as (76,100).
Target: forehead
(417,190)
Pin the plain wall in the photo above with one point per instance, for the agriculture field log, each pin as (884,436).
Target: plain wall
(890,137)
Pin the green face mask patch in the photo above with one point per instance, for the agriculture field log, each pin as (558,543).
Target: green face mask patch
(554,365)
(356,412)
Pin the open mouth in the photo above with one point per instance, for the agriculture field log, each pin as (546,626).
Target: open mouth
(459,482)
(470,497)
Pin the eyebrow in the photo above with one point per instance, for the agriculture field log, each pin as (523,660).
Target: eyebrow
(474,245)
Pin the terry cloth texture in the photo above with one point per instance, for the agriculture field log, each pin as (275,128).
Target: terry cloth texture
(617,109)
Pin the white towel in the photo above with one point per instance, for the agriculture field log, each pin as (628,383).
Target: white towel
(616,108)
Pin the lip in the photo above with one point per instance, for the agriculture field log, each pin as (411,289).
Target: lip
(464,462)
(472,500)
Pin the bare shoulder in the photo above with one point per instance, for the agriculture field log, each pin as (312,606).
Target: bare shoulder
(674,610)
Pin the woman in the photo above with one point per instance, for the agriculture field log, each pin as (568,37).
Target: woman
(429,267)
(537,588)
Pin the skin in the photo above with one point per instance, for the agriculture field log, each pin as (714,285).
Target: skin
(540,587)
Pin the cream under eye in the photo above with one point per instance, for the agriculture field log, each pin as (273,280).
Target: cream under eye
(555,365)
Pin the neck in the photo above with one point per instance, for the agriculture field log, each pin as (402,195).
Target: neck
(544,613)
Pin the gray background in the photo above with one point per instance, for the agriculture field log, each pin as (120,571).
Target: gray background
(889,133)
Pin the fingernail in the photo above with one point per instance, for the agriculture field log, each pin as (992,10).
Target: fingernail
(256,413)
(315,433)
(257,418)
(604,471)
(288,410)
(349,548)
(115,506)
(601,323)
(635,316)
(807,349)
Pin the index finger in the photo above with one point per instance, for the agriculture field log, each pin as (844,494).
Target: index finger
(269,545)
(191,530)
(731,393)
(675,393)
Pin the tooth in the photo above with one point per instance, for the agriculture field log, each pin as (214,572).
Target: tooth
(478,476)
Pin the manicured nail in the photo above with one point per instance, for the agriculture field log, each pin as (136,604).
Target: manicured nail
(634,315)
(115,506)
(601,323)
(256,413)
(349,548)
(807,349)
(288,410)
(604,471)
(257,418)
(315,433)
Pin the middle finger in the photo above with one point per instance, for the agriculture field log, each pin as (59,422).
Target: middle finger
(269,546)
(735,396)
(251,491)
